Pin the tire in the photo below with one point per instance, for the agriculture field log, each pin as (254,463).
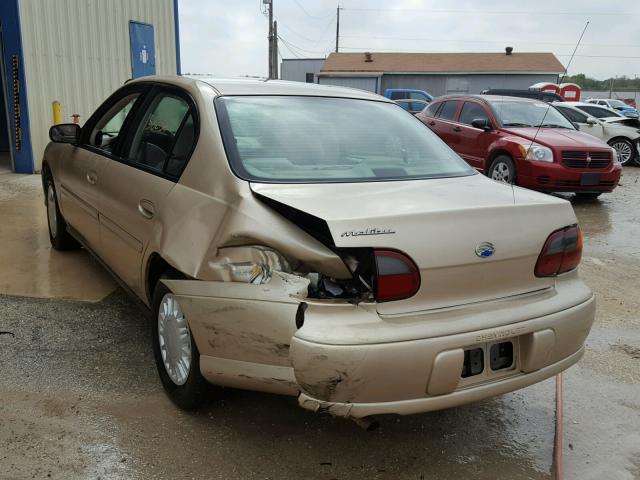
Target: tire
(502,169)
(60,238)
(627,153)
(182,380)
(587,196)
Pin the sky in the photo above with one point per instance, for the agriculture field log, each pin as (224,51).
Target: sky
(229,38)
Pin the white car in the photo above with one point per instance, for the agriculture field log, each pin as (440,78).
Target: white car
(619,132)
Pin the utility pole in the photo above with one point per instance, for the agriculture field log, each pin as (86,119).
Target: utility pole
(337,27)
(269,4)
(274,49)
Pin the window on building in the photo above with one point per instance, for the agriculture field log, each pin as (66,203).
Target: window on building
(449,109)
(310,77)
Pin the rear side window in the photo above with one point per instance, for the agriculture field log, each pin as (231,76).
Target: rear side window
(448,110)
(399,95)
(432,109)
(597,112)
(166,132)
(472,111)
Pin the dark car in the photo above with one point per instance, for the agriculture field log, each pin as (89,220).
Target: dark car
(532,94)
(523,142)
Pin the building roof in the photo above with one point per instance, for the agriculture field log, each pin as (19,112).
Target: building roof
(397,62)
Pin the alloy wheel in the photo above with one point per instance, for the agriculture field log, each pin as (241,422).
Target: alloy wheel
(174,339)
(624,151)
(501,172)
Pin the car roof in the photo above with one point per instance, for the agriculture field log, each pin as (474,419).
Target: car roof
(253,86)
(488,99)
(575,104)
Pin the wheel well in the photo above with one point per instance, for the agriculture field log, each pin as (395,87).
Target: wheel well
(45,172)
(493,156)
(611,140)
(156,266)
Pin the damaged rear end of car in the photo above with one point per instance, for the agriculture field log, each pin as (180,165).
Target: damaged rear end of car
(363,267)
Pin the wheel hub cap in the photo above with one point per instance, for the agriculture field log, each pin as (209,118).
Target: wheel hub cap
(51,211)
(175,340)
(624,151)
(501,173)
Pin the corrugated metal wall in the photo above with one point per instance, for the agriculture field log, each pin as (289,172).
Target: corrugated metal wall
(296,69)
(438,85)
(77,52)
(371,84)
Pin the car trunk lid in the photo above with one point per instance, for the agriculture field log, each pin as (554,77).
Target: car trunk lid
(439,223)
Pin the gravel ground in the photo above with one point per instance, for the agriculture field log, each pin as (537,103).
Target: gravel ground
(80,398)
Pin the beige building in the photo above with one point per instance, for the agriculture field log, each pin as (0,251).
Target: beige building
(76,53)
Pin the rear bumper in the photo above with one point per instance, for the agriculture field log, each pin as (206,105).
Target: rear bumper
(423,375)
(454,399)
(554,177)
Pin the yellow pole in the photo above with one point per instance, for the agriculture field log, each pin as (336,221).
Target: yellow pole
(56,108)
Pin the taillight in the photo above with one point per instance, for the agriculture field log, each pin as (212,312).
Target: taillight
(561,252)
(397,276)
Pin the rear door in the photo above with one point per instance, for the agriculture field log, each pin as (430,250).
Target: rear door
(81,172)
(134,187)
(473,143)
(448,128)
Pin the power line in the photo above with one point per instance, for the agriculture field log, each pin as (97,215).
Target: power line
(306,12)
(503,42)
(545,13)
(290,45)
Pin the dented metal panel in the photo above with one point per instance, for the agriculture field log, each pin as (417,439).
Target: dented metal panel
(240,321)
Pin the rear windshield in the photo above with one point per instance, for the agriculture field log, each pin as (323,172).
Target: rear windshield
(288,139)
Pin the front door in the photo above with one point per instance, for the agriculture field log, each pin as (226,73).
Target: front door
(134,188)
(143,50)
(80,178)
(474,143)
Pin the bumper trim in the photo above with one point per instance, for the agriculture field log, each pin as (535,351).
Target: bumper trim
(454,399)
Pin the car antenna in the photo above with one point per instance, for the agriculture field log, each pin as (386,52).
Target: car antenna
(566,69)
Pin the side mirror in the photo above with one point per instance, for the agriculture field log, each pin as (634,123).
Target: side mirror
(592,121)
(482,124)
(65,133)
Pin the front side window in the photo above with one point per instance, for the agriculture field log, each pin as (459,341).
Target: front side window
(106,132)
(156,135)
(598,112)
(320,139)
(617,104)
(573,115)
(472,111)
(529,114)
(449,109)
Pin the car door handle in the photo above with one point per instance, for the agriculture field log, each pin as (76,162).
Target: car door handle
(432,123)
(457,129)
(146,208)
(92,178)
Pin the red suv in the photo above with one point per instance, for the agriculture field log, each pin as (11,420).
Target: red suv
(523,141)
